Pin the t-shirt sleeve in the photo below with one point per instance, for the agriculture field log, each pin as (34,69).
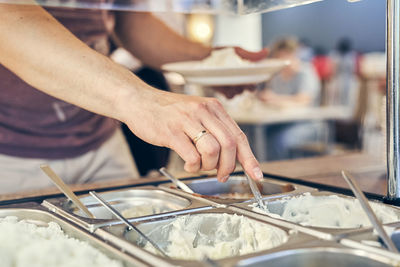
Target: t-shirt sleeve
(309,83)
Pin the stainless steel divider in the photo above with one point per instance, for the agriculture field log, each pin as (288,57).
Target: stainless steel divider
(393,101)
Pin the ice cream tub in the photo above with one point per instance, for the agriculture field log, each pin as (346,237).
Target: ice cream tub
(331,256)
(32,236)
(132,203)
(220,234)
(323,212)
(369,240)
(236,189)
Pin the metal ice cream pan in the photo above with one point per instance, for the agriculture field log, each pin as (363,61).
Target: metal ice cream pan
(277,206)
(132,242)
(320,256)
(36,214)
(236,189)
(132,203)
(369,240)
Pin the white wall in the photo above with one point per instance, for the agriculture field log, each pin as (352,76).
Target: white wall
(244,31)
(324,23)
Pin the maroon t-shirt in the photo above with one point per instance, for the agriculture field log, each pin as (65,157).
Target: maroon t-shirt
(36,125)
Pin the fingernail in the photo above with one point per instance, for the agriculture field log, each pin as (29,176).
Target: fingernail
(224,179)
(258,173)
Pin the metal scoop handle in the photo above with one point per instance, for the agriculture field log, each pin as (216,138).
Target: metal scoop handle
(256,192)
(369,211)
(124,220)
(178,183)
(65,189)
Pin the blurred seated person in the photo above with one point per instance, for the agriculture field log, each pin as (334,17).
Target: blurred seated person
(324,68)
(346,70)
(305,52)
(297,85)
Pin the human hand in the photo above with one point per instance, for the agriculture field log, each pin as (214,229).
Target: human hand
(173,120)
(252,56)
(246,54)
(275,100)
(269,97)
(284,101)
(233,90)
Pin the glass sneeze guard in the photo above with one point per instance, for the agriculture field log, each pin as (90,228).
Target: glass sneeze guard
(234,7)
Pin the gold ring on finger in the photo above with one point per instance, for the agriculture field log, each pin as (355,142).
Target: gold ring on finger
(199,136)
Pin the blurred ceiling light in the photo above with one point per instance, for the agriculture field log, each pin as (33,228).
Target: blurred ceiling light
(353,1)
(200,28)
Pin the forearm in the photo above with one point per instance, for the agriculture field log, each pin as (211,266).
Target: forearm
(47,56)
(300,99)
(153,42)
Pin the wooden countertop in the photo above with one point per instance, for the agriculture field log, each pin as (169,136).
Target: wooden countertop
(369,172)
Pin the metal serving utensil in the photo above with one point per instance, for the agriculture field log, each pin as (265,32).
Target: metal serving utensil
(256,192)
(175,180)
(64,188)
(209,262)
(125,221)
(369,211)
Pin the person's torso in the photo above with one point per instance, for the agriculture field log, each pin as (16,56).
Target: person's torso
(286,86)
(34,124)
(304,81)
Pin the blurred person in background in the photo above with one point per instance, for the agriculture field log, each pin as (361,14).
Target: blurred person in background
(344,90)
(297,85)
(305,51)
(345,70)
(324,68)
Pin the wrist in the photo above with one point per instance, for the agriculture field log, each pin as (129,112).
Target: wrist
(129,99)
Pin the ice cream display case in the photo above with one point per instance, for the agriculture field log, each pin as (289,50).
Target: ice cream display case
(220,223)
(232,233)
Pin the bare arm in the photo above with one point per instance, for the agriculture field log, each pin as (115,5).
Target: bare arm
(47,56)
(153,42)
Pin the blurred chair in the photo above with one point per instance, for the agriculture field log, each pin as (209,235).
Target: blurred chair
(373,130)
(347,88)
(324,68)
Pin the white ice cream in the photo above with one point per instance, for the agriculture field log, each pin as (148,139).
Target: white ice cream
(25,244)
(225,57)
(328,211)
(215,235)
(127,210)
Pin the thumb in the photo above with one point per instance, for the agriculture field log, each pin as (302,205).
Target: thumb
(252,56)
